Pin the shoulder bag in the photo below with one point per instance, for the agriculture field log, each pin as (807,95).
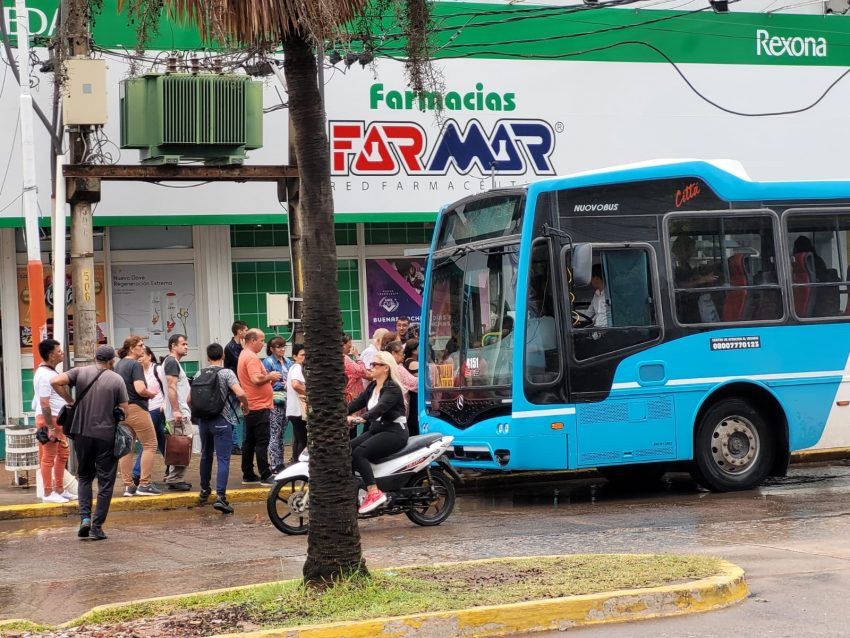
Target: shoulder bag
(123,441)
(65,418)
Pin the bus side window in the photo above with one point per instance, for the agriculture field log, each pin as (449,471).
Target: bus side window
(723,268)
(617,310)
(542,355)
(820,280)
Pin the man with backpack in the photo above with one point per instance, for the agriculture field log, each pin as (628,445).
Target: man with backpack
(213,392)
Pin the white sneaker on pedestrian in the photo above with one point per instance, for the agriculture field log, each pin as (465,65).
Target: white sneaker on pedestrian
(71,497)
(54,498)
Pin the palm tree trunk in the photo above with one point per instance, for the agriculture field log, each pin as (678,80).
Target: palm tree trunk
(333,549)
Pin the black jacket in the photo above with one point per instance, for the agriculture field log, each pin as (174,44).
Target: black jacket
(390,406)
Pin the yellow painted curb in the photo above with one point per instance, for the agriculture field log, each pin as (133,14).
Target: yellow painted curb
(828,454)
(556,614)
(127,504)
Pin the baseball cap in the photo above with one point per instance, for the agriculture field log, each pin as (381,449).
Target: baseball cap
(104,353)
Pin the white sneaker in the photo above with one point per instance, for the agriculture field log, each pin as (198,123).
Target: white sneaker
(54,498)
(71,497)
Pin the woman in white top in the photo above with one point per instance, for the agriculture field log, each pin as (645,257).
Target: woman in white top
(296,401)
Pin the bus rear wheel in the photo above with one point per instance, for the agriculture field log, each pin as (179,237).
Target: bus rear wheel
(733,447)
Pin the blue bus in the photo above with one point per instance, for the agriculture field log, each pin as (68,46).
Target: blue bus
(639,318)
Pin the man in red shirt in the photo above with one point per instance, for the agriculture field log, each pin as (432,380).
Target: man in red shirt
(258,387)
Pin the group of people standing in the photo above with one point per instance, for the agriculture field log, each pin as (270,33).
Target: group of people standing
(150,399)
(154,399)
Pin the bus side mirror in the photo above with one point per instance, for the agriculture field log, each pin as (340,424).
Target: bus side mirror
(581,259)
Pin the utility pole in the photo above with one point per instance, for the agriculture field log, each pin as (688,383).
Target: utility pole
(35,268)
(81,194)
(288,192)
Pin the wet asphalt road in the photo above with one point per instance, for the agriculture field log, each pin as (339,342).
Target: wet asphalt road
(792,536)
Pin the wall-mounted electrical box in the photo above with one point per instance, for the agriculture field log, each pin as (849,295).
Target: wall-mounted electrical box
(84,93)
(277,309)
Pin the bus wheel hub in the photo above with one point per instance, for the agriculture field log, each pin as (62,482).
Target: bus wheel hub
(734,444)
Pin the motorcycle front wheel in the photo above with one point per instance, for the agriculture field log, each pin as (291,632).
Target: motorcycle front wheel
(442,498)
(288,505)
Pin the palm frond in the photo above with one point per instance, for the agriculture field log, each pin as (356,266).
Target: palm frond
(263,23)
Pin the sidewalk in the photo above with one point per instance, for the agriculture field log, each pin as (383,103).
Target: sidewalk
(11,495)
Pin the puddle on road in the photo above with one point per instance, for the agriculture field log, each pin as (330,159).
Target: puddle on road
(577,492)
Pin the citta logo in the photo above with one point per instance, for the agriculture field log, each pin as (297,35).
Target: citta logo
(508,147)
(793,46)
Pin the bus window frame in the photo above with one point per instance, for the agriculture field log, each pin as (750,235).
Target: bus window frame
(788,246)
(655,279)
(557,285)
(782,274)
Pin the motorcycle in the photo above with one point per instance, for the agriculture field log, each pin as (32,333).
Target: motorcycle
(418,481)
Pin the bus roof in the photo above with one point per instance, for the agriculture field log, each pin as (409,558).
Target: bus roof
(727,178)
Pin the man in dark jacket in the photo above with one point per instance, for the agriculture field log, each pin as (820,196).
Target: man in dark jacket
(93,431)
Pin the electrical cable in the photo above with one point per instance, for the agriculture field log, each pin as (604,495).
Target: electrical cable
(561,56)
(174,186)
(11,149)
(567,36)
(55,142)
(9,205)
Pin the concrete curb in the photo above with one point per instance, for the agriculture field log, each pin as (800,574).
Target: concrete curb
(257,495)
(128,504)
(555,614)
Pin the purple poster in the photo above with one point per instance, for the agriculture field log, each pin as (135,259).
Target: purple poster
(393,290)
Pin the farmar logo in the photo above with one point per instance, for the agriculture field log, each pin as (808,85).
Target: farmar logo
(507,147)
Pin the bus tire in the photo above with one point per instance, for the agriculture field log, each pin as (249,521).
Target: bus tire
(733,447)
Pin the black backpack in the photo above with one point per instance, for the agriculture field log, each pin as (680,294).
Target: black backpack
(207,399)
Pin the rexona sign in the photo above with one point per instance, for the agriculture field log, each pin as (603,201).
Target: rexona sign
(507,147)
(792,46)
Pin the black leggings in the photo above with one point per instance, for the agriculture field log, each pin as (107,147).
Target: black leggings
(373,447)
(299,436)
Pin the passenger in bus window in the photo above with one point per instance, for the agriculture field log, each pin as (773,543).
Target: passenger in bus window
(686,275)
(826,302)
(692,308)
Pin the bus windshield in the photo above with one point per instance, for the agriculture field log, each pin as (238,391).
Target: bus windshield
(471,317)
(481,218)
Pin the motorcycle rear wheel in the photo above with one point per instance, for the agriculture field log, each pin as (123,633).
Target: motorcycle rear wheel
(287,512)
(439,509)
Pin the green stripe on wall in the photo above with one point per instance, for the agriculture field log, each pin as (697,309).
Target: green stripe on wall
(222,220)
(615,35)
(487,30)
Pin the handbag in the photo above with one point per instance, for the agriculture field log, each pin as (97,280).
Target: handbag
(304,407)
(123,440)
(65,418)
(178,449)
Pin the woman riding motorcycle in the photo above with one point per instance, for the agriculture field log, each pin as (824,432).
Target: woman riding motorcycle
(386,418)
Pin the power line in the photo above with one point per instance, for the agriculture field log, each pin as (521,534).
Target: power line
(11,149)
(561,56)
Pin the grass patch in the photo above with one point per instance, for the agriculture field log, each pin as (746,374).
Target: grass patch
(21,626)
(395,592)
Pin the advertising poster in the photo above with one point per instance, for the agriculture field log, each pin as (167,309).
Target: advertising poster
(25,328)
(394,289)
(154,301)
